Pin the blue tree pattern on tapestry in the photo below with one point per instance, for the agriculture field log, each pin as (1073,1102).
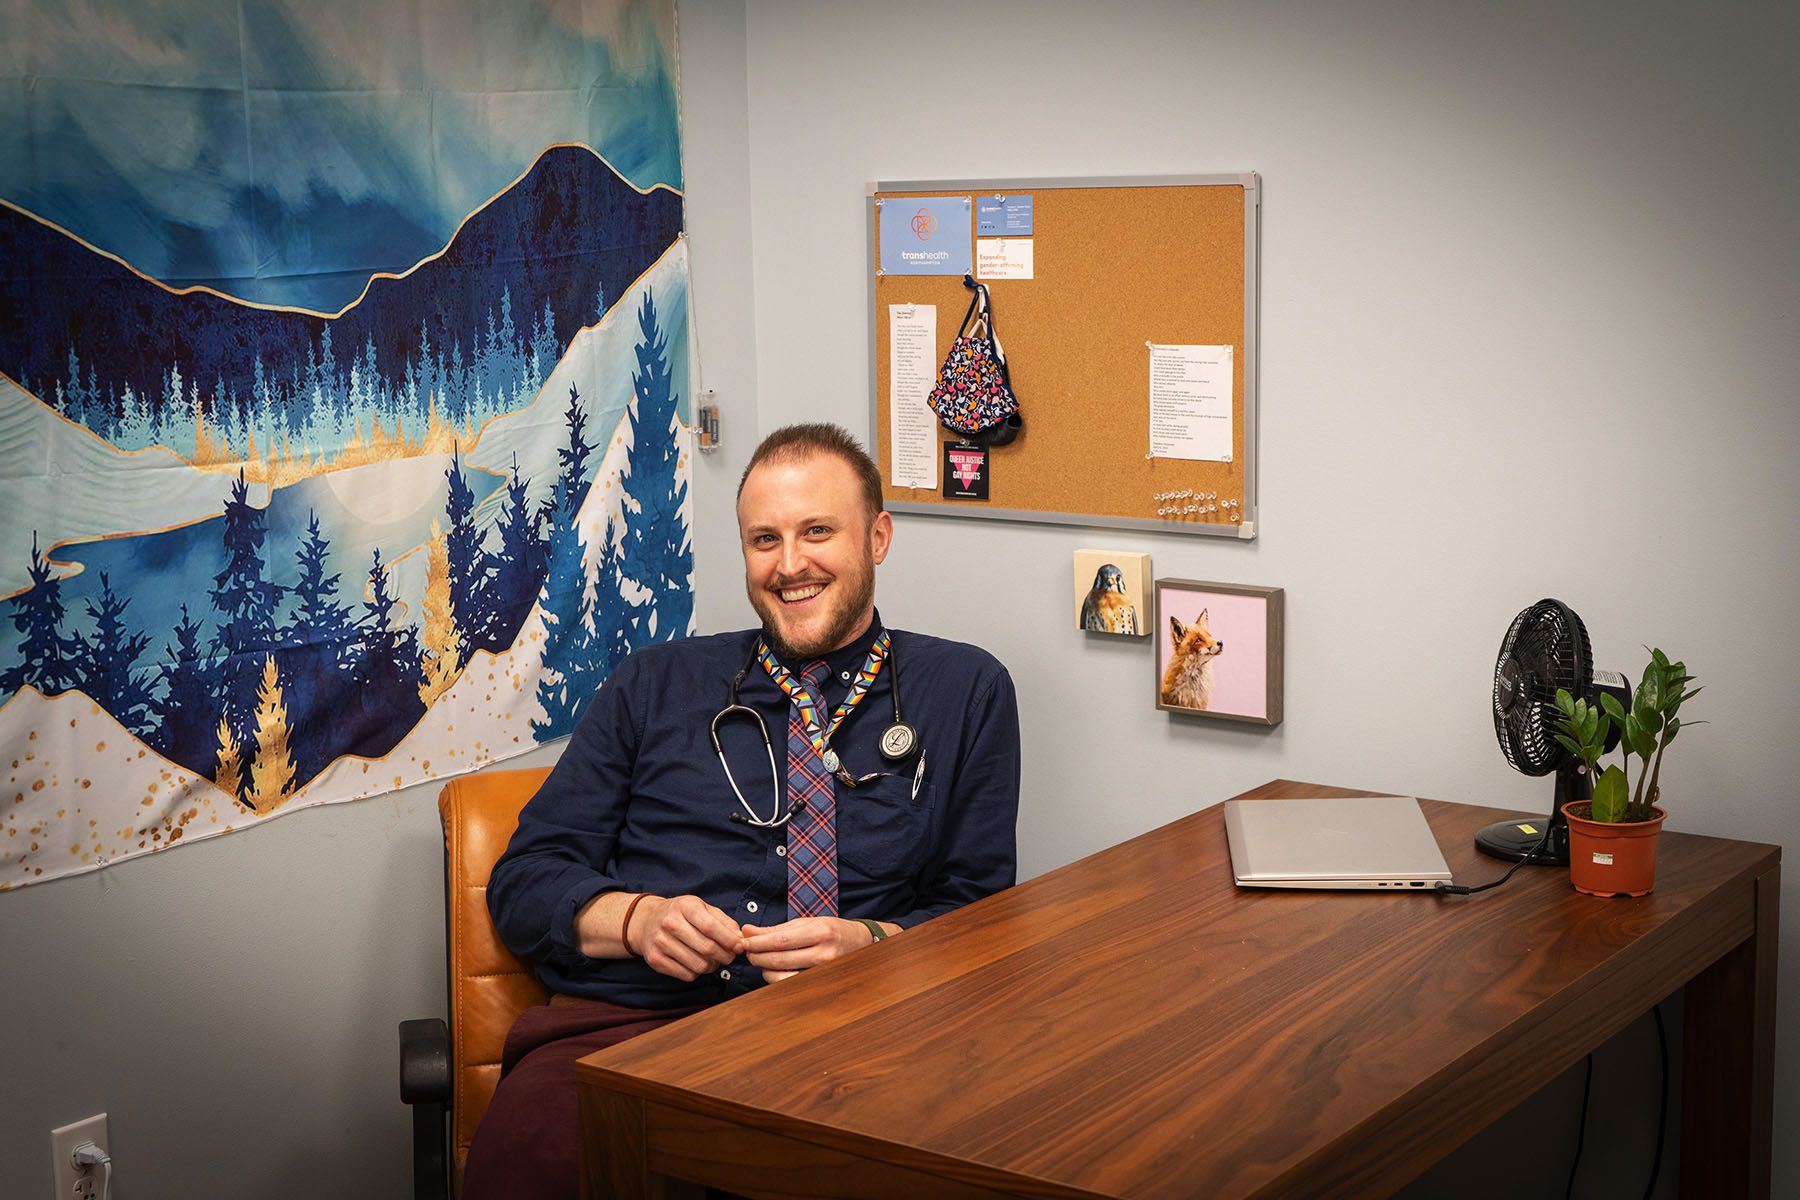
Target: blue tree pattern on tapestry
(387,500)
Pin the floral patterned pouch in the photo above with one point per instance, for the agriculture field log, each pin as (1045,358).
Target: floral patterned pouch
(974,395)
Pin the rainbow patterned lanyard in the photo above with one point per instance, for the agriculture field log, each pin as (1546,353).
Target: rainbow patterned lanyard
(809,710)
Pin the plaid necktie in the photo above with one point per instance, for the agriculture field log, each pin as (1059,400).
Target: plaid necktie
(812,834)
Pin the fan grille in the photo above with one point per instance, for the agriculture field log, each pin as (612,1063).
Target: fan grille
(1546,648)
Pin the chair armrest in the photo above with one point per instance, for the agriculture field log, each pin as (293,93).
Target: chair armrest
(425,1061)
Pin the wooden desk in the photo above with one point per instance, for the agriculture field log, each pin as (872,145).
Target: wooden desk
(1134,1025)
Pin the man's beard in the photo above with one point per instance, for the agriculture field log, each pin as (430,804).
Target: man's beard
(853,602)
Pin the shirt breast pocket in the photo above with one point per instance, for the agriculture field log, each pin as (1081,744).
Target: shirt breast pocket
(883,831)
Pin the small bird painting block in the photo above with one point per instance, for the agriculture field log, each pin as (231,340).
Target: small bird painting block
(1109,592)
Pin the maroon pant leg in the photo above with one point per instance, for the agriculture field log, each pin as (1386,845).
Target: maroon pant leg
(529,1140)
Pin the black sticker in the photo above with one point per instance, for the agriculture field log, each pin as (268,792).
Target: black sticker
(965,471)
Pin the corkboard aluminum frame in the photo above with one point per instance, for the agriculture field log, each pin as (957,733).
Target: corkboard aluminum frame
(1250,181)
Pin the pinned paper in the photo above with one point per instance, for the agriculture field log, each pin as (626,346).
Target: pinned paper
(1190,402)
(912,427)
(1003,216)
(1003,258)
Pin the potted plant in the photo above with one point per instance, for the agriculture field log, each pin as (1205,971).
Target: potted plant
(1612,837)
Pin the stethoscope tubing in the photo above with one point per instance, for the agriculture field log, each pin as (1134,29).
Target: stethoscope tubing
(777,818)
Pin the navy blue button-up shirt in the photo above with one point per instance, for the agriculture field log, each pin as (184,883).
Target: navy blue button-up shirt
(639,802)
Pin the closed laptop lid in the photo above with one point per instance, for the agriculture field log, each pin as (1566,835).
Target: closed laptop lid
(1352,842)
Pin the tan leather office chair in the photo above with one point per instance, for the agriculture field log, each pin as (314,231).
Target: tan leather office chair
(450,1069)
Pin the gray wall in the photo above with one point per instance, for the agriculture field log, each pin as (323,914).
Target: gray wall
(1528,329)
(1509,254)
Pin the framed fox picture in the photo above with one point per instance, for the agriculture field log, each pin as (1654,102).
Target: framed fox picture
(1218,650)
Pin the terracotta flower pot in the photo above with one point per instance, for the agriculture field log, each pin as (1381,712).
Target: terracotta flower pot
(1612,858)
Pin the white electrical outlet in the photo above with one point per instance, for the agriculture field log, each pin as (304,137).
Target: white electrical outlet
(73,1183)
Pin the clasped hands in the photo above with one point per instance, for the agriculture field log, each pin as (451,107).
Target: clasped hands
(685,937)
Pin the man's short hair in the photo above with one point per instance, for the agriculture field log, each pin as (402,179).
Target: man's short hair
(792,442)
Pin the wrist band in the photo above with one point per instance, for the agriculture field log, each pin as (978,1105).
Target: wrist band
(875,928)
(625,925)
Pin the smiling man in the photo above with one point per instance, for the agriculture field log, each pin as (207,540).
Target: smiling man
(735,809)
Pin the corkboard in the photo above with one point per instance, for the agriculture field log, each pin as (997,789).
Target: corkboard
(1118,264)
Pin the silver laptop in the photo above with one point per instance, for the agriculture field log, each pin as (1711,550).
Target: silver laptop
(1361,843)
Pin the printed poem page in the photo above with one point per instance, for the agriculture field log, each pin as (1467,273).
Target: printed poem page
(912,371)
(1190,402)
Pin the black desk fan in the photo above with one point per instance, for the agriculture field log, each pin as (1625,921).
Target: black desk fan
(1547,648)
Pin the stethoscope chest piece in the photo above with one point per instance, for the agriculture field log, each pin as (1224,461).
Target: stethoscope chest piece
(898,741)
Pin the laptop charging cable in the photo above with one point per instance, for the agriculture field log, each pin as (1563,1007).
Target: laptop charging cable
(1453,889)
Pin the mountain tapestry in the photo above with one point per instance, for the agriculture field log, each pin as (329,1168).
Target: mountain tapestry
(344,376)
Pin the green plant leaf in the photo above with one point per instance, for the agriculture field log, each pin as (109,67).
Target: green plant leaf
(1611,706)
(1610,796)
(1565,703)
(1659,658)
(1671,729)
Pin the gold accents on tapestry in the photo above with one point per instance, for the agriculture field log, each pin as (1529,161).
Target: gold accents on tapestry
(279,465)
(272,774)
(226,776)
(441,642)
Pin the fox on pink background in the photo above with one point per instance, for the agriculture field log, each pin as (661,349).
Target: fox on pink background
(1218,650)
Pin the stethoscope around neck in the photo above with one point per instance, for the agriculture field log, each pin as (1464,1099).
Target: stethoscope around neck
(897,744)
